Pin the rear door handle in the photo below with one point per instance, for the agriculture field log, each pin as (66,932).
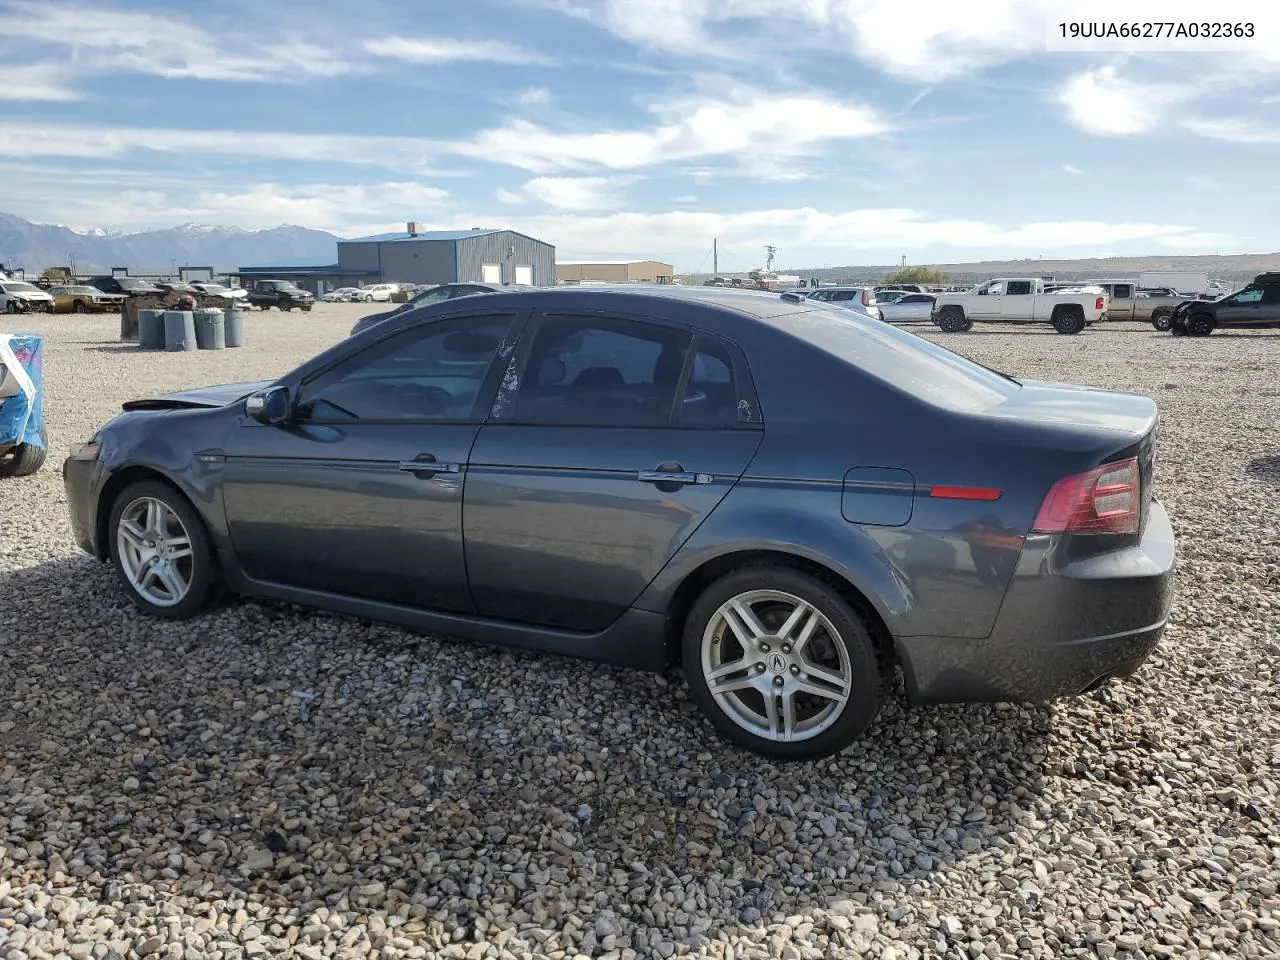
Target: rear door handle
(672,476)
(427,463)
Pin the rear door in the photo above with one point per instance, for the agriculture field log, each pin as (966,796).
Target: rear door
(1019,301)
(611,439)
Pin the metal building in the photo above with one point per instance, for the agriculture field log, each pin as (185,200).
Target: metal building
(426,256)
(614,271)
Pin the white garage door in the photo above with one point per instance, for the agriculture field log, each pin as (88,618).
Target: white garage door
(524,275)
(491,272)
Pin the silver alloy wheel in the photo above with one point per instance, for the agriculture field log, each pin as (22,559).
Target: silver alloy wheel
(776,665)
(155,551)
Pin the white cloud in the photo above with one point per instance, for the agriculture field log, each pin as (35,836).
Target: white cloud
(568,193)
(34,82)
(1072,169)
(325,206)
(1102,102)
(101,39)
(1233,130)
(535,95)
(752,123)
(438,50)
(924,40)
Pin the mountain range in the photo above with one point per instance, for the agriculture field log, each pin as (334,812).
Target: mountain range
(34,246)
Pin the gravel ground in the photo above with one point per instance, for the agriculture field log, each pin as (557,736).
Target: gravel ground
(271,782)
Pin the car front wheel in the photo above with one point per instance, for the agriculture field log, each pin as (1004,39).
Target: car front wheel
(161,551)
(782,664)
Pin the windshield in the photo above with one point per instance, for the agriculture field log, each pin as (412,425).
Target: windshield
(133,284)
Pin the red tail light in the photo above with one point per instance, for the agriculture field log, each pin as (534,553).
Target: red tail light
(1106,499)
(1099,304)
(866,299)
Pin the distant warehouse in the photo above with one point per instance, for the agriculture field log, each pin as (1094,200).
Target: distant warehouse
(424,256)
(613,271)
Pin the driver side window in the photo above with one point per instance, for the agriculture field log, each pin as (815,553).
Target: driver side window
(1245,297)
(437,371)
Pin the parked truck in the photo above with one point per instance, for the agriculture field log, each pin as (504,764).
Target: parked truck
(282,294)
(1019,300)
(1190,282)
(1127,300)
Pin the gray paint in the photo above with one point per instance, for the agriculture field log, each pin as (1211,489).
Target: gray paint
(474,252)
(450,261)
(972,603)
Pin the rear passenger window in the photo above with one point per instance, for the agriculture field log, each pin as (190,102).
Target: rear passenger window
(711,395)
(593,371)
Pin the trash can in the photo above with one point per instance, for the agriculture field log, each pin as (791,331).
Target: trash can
(151,329)
(210,333)
(179,330)
(233,327)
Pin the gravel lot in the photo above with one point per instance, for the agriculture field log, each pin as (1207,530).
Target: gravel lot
(270,782)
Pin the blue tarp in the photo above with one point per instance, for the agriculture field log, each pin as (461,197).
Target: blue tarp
(22,416)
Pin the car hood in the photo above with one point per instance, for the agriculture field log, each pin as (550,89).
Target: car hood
(31,295)
(219,395)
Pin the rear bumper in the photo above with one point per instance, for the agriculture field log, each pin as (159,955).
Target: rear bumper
(1061,629)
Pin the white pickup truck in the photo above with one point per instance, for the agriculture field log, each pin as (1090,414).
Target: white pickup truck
(1019,300)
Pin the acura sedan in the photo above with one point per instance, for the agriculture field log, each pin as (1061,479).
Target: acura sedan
(788,505)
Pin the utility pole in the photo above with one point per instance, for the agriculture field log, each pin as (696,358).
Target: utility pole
(715,257)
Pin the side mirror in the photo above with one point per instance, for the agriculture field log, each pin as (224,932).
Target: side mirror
(270,407)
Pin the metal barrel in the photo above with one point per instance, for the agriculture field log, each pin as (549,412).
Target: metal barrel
(210,331)
(151,329)
(233,327)
(179,330)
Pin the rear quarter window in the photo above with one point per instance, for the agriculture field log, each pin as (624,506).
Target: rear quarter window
(904,361)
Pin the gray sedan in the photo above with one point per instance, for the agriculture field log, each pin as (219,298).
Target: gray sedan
(788,505)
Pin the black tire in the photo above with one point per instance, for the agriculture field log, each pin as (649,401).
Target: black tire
(1162,320)
(1068,321)
(79,307)
(869,666)
(286,307)
(1200,324)
(205,580)
(11,307)
(953,320)
(26,458)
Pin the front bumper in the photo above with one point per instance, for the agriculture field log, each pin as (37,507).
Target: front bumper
(83,479)
(33,306)
(1061,630)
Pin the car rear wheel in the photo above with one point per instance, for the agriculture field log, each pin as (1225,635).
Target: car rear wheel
(1068,321)
(1162,320)
(1200,325)
(782,664)
(25,458)
(953,320)
(162,552)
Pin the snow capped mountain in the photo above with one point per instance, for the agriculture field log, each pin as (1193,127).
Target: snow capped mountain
(34,246)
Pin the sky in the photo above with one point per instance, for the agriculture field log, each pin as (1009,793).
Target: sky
(840,131)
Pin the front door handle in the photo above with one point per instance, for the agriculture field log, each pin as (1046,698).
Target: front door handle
(426,463)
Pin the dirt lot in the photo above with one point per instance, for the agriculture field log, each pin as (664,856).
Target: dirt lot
(264,781)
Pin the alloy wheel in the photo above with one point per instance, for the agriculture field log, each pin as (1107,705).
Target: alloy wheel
(155,551)
(776,666)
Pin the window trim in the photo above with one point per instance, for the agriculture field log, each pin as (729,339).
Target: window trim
(485,396)
(533,326)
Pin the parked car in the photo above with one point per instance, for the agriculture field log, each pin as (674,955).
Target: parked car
(179,287)
(623,507)
(125,286)
(908,307)
(341,295)
(84,299)
(24,441)
(18,296)
(222,292)
(1254,306)
(281,294)
(377,291)
(443,291)
(860,300)
(889,296)
(1127,301)
(1020,300)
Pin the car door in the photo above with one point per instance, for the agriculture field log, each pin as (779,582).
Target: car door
(1123,301)
(361,493)
(986,304)
(611,439)
(1243,309)
(912,306)
(1019,301)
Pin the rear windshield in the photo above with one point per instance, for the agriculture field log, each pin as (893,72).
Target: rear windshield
(912,364)
(133,284)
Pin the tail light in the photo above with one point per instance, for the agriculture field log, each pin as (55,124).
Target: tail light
(1106,499)
(1099,304)
(866,297)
